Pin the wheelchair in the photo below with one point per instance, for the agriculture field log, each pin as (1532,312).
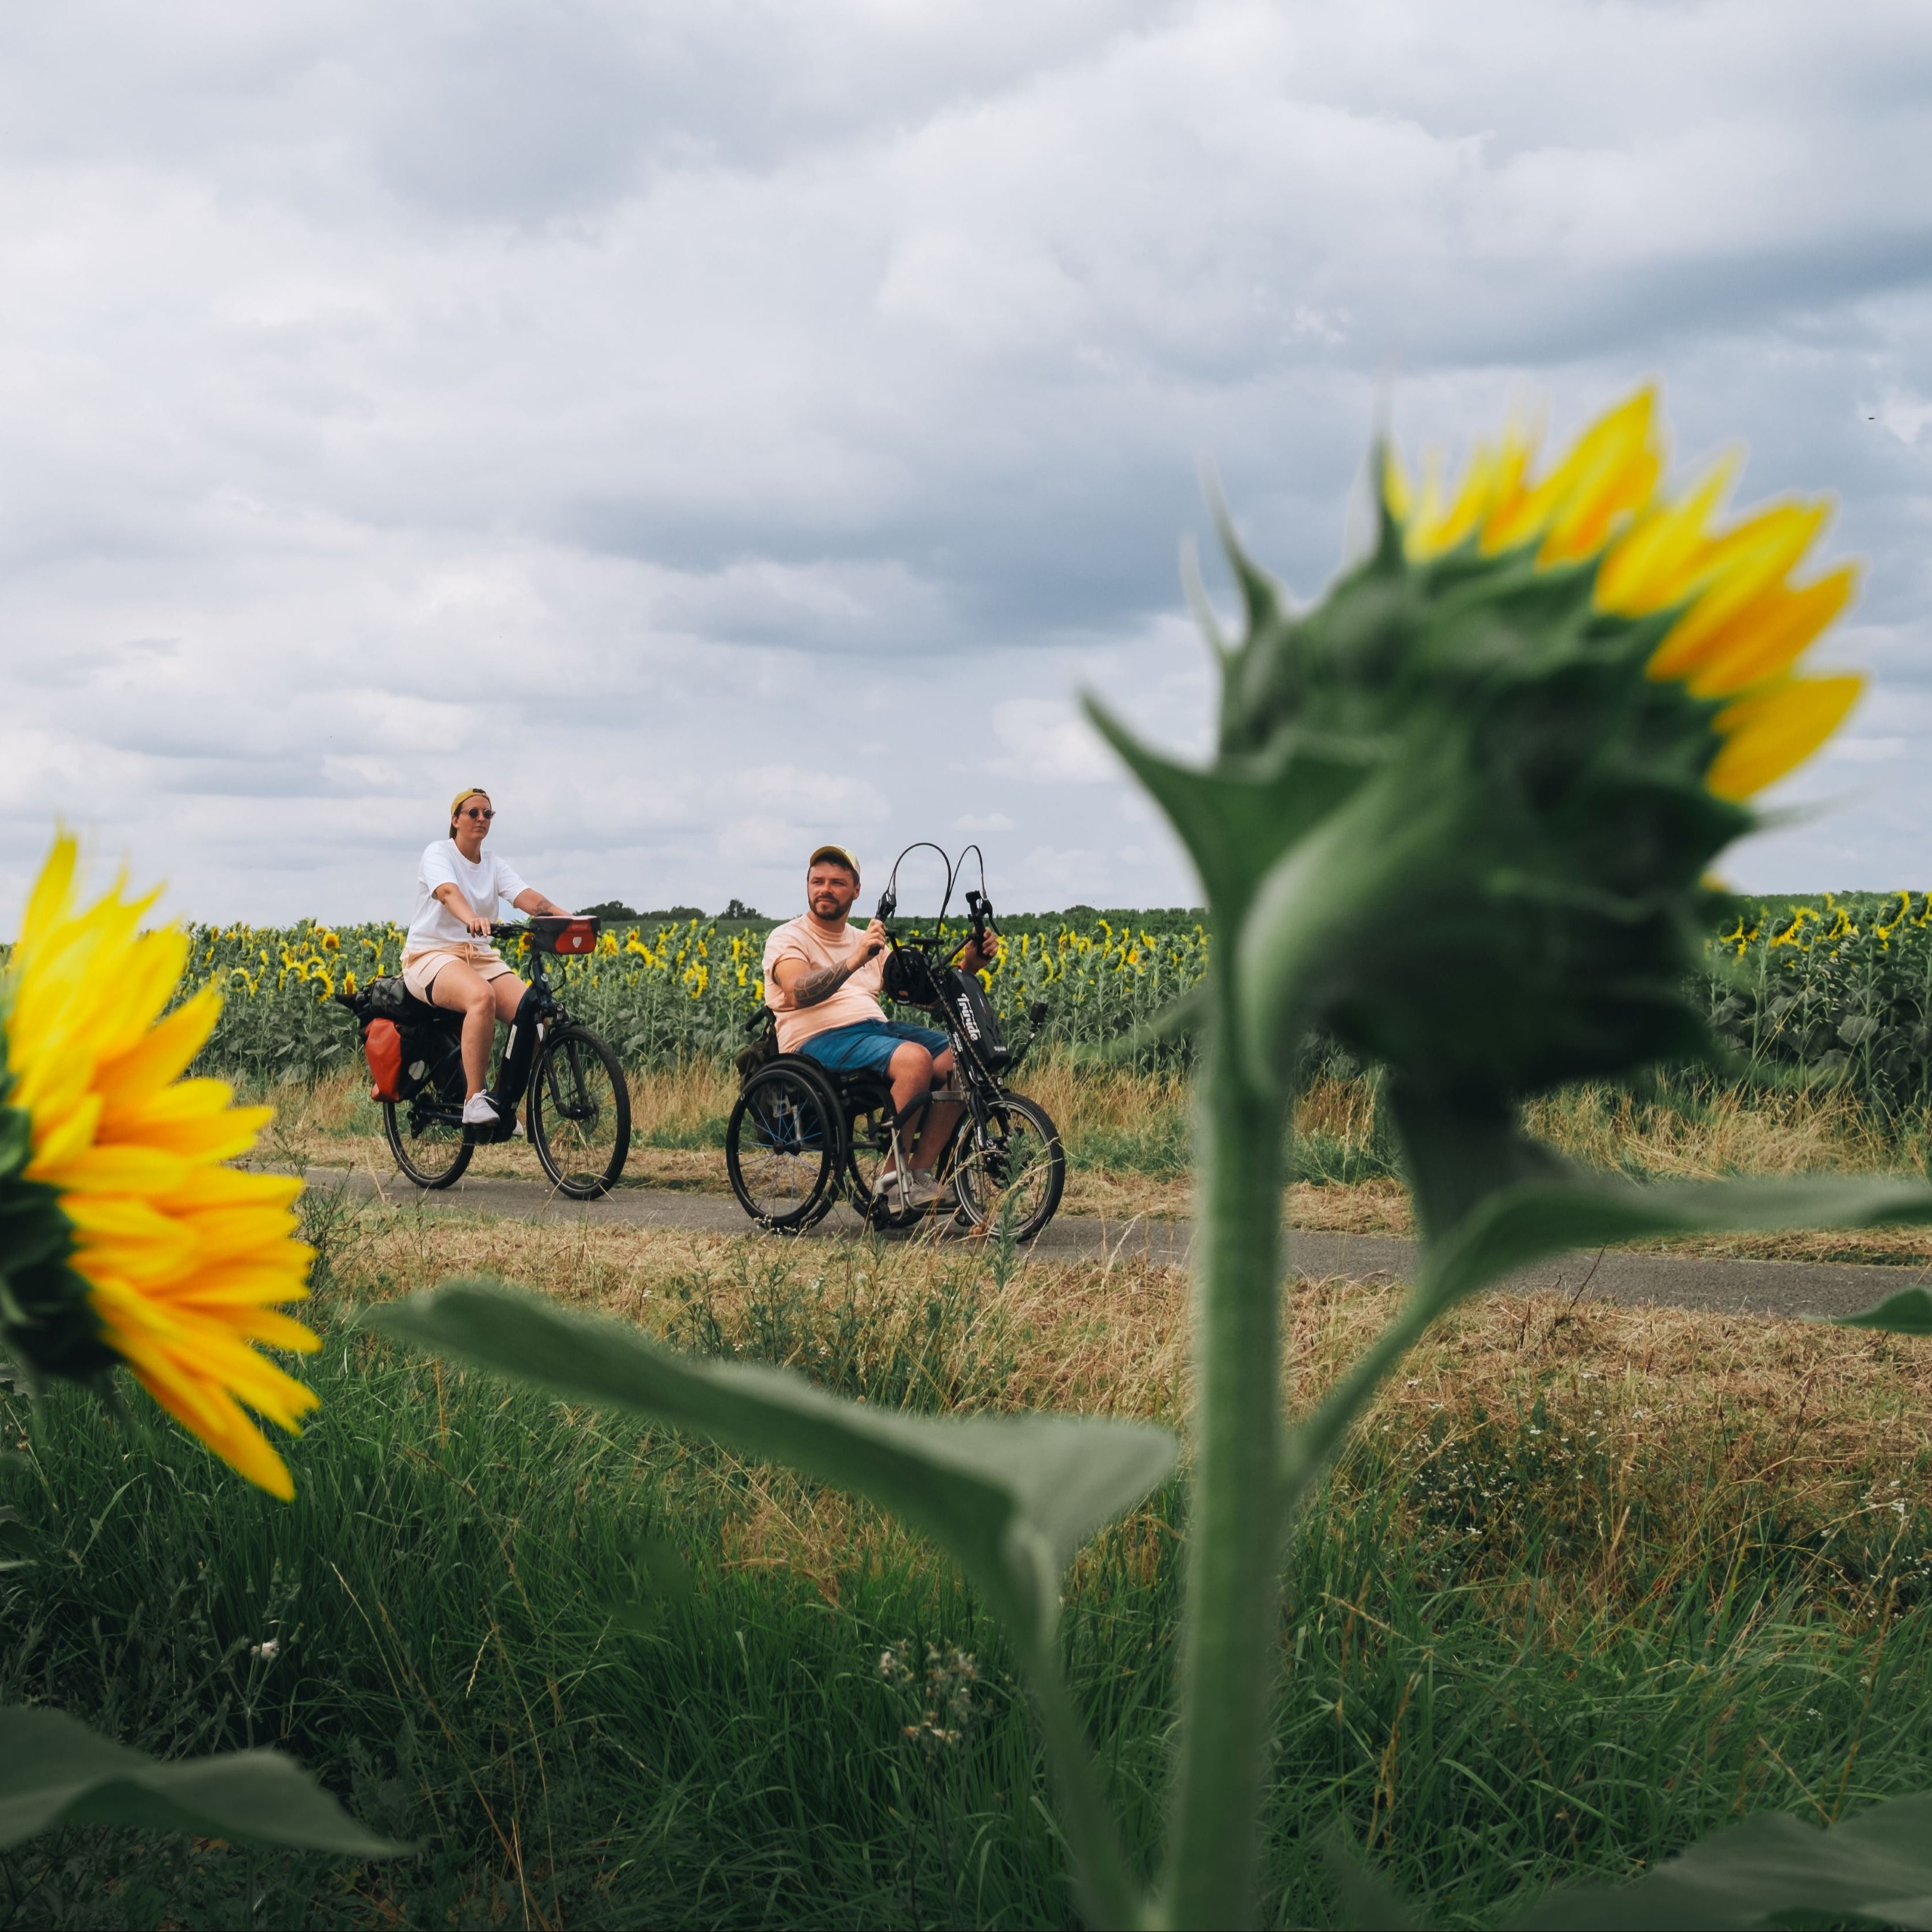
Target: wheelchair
(801,1135)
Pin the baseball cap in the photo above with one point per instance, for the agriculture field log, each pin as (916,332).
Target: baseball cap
(838,852)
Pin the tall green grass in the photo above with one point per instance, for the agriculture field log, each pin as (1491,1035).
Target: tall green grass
(541,1645)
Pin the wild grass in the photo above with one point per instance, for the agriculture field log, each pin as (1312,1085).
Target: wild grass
(1589,1580)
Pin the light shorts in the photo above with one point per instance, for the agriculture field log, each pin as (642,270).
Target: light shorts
(420,969)
(868,1045)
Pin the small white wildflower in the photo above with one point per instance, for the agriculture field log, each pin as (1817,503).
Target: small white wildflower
(268,1651)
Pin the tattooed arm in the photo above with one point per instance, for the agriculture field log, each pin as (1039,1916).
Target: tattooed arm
(805,989)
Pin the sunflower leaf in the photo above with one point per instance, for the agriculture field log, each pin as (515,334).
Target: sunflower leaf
(1521,1224)
(55,1771)
(1907,1312)
(1875,1866)
(1012,1497)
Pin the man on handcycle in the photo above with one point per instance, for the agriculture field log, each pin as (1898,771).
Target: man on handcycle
(822,983)
(447,959)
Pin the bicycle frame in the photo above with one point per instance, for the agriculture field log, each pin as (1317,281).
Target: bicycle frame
(537,1010)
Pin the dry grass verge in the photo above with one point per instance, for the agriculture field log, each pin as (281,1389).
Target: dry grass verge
(1660,1431)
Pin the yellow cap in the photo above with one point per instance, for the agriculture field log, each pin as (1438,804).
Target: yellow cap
(838,852)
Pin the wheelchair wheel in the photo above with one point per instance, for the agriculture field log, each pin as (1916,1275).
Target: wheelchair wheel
(580,1112)
(1011,1170)
(428,1142)
(785,1145)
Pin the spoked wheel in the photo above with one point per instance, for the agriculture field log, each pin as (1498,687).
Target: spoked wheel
(427,1141)
(580,1112)
(1011,1171)
(784,1145)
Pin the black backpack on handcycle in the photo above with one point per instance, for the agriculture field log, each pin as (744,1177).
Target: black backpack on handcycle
(763,1026)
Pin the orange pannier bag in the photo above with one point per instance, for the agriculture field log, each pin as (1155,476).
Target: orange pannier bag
(383,1044)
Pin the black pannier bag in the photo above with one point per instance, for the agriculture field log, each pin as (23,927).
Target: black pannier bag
(764,1026)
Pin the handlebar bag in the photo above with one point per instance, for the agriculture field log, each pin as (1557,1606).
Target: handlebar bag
(972,1011)
(383,1047)
(569,936)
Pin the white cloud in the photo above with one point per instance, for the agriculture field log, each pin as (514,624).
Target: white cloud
(646,408)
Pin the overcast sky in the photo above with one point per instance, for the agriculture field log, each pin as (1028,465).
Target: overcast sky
(720,426)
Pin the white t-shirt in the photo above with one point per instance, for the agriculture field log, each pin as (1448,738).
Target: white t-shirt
(482,884)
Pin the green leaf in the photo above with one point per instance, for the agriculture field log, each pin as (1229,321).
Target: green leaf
(55,1771)
(1013,1497)
(1238,819)
(1876,1865)
(1907,1312)
(1367,1897)
(1521,1224)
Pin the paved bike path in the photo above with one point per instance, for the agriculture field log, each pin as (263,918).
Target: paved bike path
(1676,1281)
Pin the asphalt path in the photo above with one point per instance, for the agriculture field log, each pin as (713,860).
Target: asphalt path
(1675,1281)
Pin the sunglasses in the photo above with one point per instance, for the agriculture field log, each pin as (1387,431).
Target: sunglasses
(475,811)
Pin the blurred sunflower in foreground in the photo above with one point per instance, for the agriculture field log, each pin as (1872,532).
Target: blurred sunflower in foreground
(124,1236)
(1463,808)
(1737,625)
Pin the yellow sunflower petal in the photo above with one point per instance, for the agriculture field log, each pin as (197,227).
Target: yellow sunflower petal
(1766,638)
(162,1055)
(1772,731)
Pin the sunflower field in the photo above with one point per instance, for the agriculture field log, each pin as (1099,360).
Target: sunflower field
(660,995)
(1837,989)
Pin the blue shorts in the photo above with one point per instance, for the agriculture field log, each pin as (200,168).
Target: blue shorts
(868,1045)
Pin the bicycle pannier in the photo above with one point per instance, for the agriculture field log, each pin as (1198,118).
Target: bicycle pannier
(382,1045)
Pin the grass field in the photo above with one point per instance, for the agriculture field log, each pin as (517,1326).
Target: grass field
(1590,1580)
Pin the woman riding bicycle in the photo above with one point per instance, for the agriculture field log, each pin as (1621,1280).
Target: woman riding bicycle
(447,959)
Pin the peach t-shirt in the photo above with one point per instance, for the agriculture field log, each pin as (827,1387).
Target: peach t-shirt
(857,1000)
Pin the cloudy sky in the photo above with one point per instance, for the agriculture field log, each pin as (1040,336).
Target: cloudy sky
(715,424)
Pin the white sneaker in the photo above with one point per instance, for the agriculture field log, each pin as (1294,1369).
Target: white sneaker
(479,1110)
(917,1191)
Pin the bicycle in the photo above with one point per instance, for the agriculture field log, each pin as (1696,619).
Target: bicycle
(801,1135)
(578,1115)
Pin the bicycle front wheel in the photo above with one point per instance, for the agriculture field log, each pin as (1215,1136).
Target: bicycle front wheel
(428,1142)
(579,1112)
(1009,1171)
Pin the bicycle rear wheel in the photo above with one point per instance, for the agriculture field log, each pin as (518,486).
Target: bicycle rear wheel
(579,1112)
(1011,1170)
(785,1145)
(429,1144)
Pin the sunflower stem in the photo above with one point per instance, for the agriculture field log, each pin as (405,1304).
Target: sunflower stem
(1234,1534)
